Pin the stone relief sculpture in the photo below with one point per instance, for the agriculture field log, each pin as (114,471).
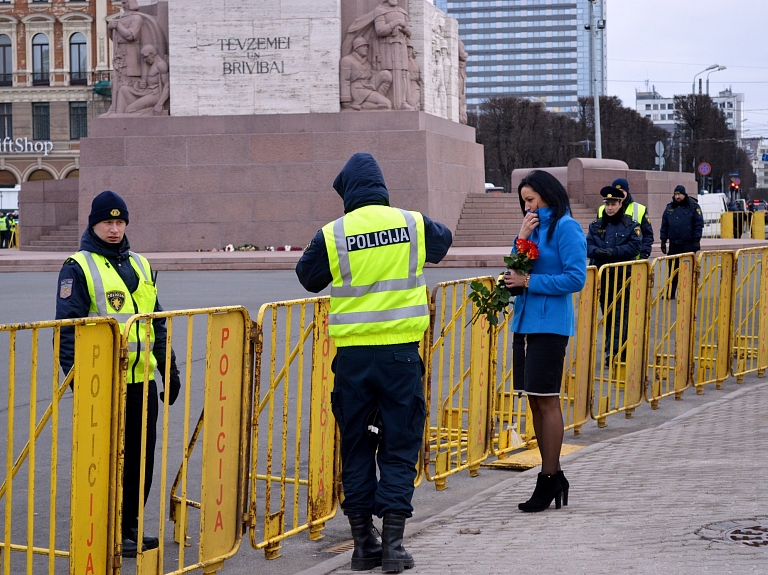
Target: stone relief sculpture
(415,80)
(463,57)
(439,57)
(386,30)
(131,34)
(361,88)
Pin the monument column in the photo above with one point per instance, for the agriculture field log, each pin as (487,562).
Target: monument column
(102,51)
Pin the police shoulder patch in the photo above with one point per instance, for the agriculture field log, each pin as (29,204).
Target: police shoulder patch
(698,211)
(65,288)
(116,299)
(637,231)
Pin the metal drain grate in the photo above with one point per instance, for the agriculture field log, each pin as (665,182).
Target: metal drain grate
(751,532)
(753,535)
(340,547)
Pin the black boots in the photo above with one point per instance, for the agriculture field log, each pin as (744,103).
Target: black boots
(394,557)
(130,548)
(564,484)
(548,487)
(367,553)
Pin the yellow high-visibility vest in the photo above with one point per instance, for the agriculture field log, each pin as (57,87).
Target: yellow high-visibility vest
(110,298)
(3,224)
(378,293)
(637,213)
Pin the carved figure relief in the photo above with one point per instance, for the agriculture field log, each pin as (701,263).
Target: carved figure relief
(385,30)
(440,60)
(133,34)
(361,88)
(463,57)
(415,80)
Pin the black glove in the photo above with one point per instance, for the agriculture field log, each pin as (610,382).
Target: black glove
(696,245)
(664,247)
(174,385)
(603,252)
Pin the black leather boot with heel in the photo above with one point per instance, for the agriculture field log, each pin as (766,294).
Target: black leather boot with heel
(548,487)
(367,553)
(565,485)
(394,557)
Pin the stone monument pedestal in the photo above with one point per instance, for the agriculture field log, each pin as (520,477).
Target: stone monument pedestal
(198,183)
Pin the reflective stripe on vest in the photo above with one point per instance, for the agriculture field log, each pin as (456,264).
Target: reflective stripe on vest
(385,310)
(102,279)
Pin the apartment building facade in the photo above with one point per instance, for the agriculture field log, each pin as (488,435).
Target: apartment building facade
(536,49)
(53,53)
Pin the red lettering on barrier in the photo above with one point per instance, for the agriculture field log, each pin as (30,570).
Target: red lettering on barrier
(222,416)
(219,445)
(221,469)
(219,522)
(89,541)
(89,565)
(323,416)
(91,506)
(224,364)
(224,336)
(321,487)
(326,347)
(222,397)
(220,500)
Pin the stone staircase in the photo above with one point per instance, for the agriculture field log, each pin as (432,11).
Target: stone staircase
(495,219)
(65,238)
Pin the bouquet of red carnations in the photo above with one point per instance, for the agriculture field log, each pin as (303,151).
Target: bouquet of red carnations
(491,303)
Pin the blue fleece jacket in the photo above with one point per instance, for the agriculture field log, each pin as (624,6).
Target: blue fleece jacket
(561,270)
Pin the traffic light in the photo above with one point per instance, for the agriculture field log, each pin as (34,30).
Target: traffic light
(733,187)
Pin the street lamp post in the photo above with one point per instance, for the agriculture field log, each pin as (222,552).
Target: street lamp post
(693,86)
(594,26)
(718,69)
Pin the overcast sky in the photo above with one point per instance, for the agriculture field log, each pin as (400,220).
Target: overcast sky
(668,41)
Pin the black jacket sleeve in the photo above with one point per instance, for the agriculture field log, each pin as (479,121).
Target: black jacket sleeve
(438,239)
(647,231)
(697,221)
(314,269)
(592,242)
(664,232)
(72,301)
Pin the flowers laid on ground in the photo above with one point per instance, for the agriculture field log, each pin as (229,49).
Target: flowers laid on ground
(493,302)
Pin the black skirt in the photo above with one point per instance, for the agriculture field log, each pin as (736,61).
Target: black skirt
(538,360)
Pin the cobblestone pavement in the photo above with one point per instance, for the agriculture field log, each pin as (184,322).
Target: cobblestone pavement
(640,503)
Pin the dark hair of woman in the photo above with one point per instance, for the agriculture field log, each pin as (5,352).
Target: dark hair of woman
(551,191)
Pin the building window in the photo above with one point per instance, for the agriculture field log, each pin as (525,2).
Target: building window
(6,61)
(647,106)
(40,61)
(6,121)
(41,121)
(670,106)
(655,106)
(78,60)
(78,120)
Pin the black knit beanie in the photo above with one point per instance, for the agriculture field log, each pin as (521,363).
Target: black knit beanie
(680,189)
(107,206)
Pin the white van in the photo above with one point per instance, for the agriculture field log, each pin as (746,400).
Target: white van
(712,207)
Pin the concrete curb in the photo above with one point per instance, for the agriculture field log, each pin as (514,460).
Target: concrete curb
(412,529)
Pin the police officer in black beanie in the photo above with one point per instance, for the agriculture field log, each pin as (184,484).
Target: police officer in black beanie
(682,225)
(122,285)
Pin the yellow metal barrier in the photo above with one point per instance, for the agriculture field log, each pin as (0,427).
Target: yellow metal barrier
(732,225)
(670,365)
(758,226)
(92,437)
(750,318)
(713,318)
(293,431)
(220,388)
(619,353)
(458,400)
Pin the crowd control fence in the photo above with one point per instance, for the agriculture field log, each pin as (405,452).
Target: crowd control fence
(251,443)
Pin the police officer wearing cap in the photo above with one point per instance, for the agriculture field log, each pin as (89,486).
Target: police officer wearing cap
(613,237)
(682,224)
(638,212)
(373,258)
(106,279)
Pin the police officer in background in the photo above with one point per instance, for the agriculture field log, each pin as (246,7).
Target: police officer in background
(373,258)
(5,231)
(614,237)
(637,212)
(682,224)
(106,279)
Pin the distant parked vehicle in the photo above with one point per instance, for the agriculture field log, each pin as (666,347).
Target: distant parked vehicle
(490,188)
(713,206)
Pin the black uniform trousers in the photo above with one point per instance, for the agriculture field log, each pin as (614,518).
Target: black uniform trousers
(387,377)
(133,455)
(674,249)
(5,239)
(616,320)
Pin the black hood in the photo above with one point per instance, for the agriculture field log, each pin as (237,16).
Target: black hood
(628,200)
(90,242)
(361,183)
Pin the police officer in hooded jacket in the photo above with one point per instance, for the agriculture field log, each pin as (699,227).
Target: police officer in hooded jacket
(682,224)
(106,279)
(373,258)
(614,237)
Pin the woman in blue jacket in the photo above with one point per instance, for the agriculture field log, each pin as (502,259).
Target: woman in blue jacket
(544,320)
